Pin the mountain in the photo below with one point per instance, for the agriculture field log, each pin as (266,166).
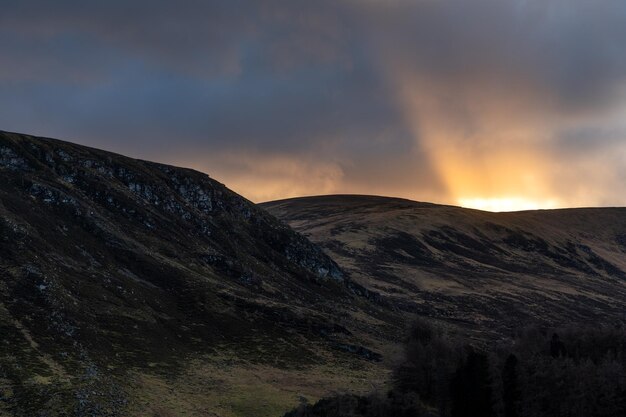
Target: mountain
(139,289)
(132,288)
(487,273)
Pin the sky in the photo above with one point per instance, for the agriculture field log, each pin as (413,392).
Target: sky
(491,104)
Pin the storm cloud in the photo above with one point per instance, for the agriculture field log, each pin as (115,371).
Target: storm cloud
(452,101)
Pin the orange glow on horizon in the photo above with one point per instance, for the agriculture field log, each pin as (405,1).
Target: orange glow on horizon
(493,163)
(506,204)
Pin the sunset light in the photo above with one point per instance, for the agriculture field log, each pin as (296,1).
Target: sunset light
(329,208)
(506,204)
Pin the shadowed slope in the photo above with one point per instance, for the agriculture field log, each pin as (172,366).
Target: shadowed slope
(110,264)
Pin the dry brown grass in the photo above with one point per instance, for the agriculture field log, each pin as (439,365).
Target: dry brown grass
(224,386)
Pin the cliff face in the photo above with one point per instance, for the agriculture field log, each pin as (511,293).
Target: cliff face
(109,263)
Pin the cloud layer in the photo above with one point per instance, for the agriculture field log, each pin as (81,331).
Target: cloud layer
(447,100)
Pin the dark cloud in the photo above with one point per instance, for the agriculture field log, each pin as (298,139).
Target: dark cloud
(570,47)
(367,93)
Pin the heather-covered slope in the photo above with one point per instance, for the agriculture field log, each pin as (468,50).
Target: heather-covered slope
(130,288)
(121,279)
(491,272)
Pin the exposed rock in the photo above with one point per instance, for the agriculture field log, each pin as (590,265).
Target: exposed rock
(9,159)
(110,263)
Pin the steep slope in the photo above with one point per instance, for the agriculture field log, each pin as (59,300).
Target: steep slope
(490,272)
(118,274)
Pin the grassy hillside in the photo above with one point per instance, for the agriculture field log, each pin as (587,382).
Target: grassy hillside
(133,288)
(489,272)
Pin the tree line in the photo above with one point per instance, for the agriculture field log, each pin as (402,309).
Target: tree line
(565,372)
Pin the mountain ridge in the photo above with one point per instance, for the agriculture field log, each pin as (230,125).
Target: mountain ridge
(130,287)
(389,198)
(111,264)
(483,269)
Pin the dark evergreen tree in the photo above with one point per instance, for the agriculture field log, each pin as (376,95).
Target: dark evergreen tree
(471,387)
(557,347)
(510,388)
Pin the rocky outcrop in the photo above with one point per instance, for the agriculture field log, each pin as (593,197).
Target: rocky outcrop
(109,262)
